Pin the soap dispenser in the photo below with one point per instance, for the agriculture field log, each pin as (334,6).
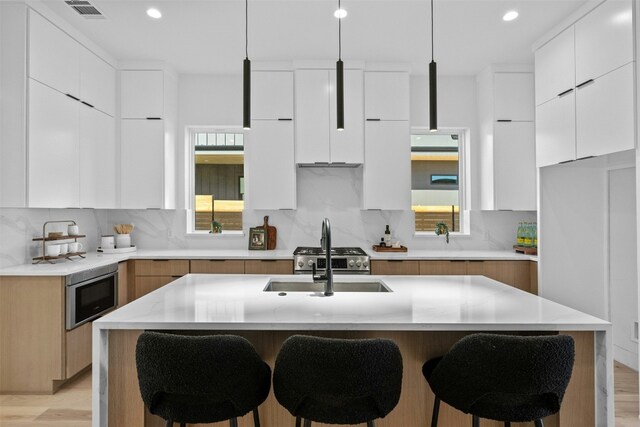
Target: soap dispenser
(387,237)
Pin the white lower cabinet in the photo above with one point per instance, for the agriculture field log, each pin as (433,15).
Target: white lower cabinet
(605,114)
(556,131)
(97,159)
(387,165)
(142,157)
(270,165)
(513,168)
(53,165)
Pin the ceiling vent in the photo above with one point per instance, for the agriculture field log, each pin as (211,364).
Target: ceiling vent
(85,9)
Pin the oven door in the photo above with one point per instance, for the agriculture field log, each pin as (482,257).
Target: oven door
(89,299)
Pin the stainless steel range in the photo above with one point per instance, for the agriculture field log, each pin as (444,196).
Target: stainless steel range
(343,260)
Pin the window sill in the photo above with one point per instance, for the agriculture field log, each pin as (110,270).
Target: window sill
(224,234)
(432,235)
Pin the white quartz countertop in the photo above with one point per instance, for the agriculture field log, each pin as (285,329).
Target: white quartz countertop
(237,302)
(92,260)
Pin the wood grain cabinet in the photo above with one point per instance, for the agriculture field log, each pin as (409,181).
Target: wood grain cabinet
(443,267)
(395,267)
(153,274)
(217,266)
(267,266)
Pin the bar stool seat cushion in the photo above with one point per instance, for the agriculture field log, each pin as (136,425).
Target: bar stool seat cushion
(502,377)
(200,379)
(338,381)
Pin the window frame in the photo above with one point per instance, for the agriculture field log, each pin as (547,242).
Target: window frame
(190,153)
(464,178)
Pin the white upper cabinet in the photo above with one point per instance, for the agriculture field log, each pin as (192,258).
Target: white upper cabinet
(312,116)
(97,159)
(514,168)
(142,94)
(97,82)
(347,146)
(556,131)
(513,97)
(142,164)
(387,166)
(555,67)
(317,137)
(270,165)
(604,40)
(606,123)
(272,95)
(54,180)
(386,95)
(53,56)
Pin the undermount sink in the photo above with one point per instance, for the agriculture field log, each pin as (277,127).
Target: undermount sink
(355,286)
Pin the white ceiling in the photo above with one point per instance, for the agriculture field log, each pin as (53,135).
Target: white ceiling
(207,36)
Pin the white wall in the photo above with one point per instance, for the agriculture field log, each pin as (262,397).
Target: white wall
(215,100)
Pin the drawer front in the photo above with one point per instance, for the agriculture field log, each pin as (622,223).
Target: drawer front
(78,349)
(443,268)
(262,266)
(146,284)
(393,267)
(217,266)
(162,267)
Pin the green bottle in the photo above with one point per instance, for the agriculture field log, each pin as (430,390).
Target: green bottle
(528,235)
(535,235)
(520,235)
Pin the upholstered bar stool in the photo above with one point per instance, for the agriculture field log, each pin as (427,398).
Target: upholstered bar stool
(338,381)
(201,379)
(503,377)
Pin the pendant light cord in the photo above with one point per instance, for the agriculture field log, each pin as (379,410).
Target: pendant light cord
(339,33)
(246,28)
(431,30)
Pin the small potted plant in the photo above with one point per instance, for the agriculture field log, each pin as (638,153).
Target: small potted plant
(442,228)
(216,227)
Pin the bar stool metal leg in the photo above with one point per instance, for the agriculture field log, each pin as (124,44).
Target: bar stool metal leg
(298,422)
(233,422)
(507,424)
(539,423)
(436,412)
(307,423)
(475,422)
(183,424)
(371,423)
(256,418)
(169,423)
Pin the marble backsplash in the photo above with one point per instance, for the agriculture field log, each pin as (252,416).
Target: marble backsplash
(321,192)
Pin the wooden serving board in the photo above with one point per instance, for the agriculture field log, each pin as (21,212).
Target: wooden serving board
(385,249)
(525,250)
(271,233)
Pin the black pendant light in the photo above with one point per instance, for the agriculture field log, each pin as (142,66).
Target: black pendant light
(340,77)
(246,76)
(433,85)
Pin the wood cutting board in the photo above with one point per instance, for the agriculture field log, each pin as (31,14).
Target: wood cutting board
(271,233)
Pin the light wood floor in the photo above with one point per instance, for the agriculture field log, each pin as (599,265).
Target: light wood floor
(71,406)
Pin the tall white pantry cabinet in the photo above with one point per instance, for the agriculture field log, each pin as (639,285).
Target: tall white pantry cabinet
(58,106)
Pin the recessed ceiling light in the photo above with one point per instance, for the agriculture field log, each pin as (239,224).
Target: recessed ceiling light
(154,13)
(510,16)
(340,13)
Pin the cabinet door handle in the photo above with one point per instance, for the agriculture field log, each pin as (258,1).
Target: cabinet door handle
(285,120)
(217,260)
(373,120)
(504,120)
(268,260)
(585,83)
(160,260)
(72,97)
(566,92)
(566,161)
(154,118)
(176,277)
(458,260)
(476,260)
(87,104)
(395,260)
(585,158)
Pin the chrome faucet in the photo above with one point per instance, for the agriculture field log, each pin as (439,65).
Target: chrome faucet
(325,242)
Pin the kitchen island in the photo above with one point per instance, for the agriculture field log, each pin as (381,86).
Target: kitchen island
(425,315)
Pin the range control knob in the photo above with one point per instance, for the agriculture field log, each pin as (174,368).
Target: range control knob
(365,264)
(351,263)
(310,263)
(358,263)
(300,264)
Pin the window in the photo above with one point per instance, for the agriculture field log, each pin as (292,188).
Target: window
(437,179)
(217,180)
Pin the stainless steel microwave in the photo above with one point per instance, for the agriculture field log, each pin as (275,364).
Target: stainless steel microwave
(90,294)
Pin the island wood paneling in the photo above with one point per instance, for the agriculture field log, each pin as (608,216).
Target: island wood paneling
(416,401)
(78,349)
(533,276)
